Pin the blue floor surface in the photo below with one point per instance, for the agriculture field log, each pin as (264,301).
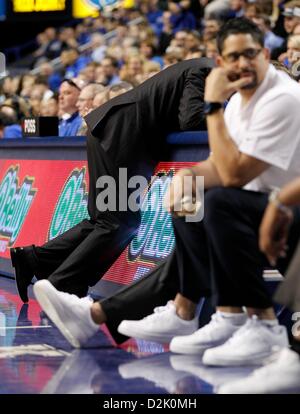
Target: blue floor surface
(36,359)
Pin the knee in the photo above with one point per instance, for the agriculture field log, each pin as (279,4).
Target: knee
(217,202)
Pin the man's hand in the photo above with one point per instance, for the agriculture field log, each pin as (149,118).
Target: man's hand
(179,191)
(219,87)
(273,232)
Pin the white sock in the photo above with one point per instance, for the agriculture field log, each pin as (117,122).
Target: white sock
(270,323)
(235,318)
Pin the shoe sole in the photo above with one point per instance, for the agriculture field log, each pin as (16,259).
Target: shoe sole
(185,350)
(49,309)
(193,349)
(15,265)
(132,333)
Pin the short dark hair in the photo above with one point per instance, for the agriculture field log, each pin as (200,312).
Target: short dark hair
(71,83)
(239,25)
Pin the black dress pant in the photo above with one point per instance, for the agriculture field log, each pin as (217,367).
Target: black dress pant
(79,257)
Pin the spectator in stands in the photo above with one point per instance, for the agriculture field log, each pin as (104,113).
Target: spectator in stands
(89,72)
(181,18)
(272,41)
(211,28)
(49,107)
(26,84)
(98,46)
(132,69)
(153,14)
(192,41)
(293,51)
(85,103)
(85,100)
(7,88)
(118,89)
(38,93)
(110,66)
(173,55)
(125,131)
(252,11)
(282,374)
(180,38)
(237,9)
(100,98)
(73,62)
(9,127)
(82,34)
(67,37)
(19,105)
(148,51)
(211,49)
(53,46)
(216,8)
(54,79)
(150,68)
(70,121)
(291,15)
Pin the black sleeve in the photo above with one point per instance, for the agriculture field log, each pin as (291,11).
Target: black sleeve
(190,111)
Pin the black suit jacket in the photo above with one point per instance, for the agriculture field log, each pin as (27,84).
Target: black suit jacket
(171,100)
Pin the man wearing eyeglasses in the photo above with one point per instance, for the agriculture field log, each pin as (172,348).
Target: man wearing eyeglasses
(255,148)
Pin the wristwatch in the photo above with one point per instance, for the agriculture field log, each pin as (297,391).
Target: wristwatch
(211,107)
(273,198)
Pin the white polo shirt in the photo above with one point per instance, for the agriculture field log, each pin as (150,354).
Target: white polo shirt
(268,128)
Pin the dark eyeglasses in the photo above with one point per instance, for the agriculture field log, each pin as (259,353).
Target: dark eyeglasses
(249,54)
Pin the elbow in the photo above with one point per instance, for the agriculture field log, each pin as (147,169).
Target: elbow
(233,181)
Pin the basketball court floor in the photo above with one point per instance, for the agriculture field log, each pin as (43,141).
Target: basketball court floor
(36,359)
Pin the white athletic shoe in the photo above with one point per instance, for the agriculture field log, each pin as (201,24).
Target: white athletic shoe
(280,376)
(71,315)
(161,326)
(250,345)
(216,332)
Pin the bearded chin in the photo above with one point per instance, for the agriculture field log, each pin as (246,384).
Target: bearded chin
(252,84)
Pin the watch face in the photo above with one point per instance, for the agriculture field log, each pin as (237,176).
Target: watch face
(211,107)
(207,107)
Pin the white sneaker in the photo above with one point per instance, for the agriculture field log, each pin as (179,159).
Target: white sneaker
(216,332)
(250,345)
(71,315)
(161,326)
(156,369)
(282,375)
